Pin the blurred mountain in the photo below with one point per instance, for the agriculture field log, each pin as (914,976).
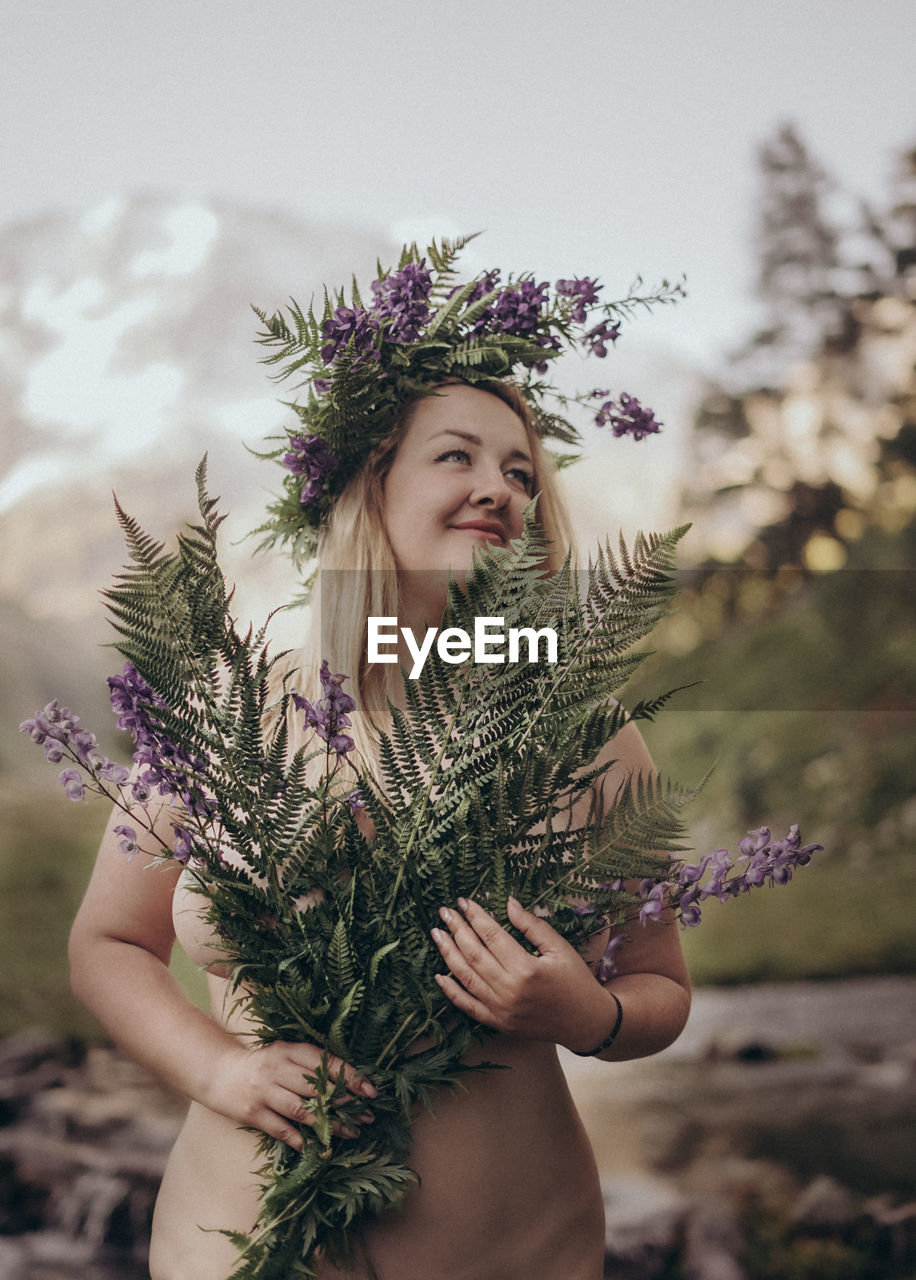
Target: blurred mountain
(127,351)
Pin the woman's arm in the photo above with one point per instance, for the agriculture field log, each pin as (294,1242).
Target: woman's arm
(554,995)
(120,947)
(651,979)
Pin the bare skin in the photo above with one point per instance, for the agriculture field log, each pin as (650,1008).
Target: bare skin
(509,1186)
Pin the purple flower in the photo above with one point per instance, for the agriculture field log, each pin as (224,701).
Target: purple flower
(57,729)
(518,308)
(688,908)
(131,697)
(607,965)
(755,841)
(691,875)
(626,416)
(72,782)
(486,284)
(116,773)
(583,292)
(171,767)
(328,715)
(719,886)
(83,743)
(402,299)
(755,873)
(597,339)
(765,861)
(349,326)
(32,729)
(55,722)
(309,456)
(141,791)
(653,896)
(128,845)
(182,845)
(355,800)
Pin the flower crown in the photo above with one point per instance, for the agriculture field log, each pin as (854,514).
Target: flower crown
(362,364)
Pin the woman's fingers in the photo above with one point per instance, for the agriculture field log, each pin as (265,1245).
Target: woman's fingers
(498,942)
(470,948)
(297,1107)
(306,1059)
(278,1126)
(463,1000)
(466,965)
(283,1084)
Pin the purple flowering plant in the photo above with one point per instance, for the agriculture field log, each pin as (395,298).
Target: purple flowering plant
(329,715)
(361,363)
(268,805)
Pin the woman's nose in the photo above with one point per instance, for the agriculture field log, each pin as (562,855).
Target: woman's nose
(491,490)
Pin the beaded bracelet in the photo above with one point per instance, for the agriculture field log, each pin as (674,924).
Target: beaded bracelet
(609,1040)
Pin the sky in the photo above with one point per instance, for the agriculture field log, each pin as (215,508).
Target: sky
(592,138)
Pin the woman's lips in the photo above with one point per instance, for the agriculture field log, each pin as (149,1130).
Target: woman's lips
(488,531)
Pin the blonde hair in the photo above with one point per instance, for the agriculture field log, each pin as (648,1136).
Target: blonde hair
(358,575)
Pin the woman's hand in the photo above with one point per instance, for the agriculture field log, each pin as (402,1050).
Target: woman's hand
(550,996)
(265,1088)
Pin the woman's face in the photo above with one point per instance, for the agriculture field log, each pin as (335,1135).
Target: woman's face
(461,478)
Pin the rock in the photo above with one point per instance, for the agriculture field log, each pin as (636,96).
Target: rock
(865,1051)
(108,1119)
(52,1255)
(825,1206)
(30,1061)
(740,1045)
(17,1091)
(896,1227)
(81,1158)
(23,1204)
(713,1242)
(644,1219)
(13,1254)
(26,1050)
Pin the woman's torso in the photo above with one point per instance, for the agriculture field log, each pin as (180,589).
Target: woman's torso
(508,1184)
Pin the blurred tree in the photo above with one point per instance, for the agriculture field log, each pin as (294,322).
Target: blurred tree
(894,230)
(803,683)
(798,245)
(810,436)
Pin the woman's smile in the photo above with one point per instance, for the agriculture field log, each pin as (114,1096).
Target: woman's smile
(486,531)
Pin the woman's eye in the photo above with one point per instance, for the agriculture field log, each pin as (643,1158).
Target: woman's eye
(517,475)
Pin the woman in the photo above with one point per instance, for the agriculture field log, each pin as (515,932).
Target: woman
(508,1185)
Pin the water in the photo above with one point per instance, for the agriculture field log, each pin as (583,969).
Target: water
(820,1077)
